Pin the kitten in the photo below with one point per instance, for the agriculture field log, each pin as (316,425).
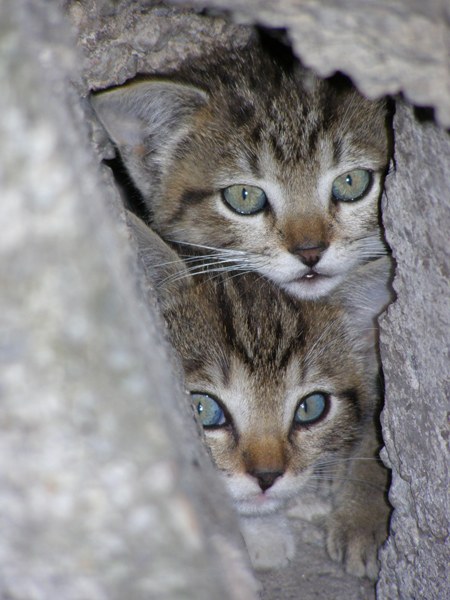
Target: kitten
(253,161)
(287,394)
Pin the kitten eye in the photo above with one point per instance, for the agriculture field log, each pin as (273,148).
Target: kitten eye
(208,410)
(311,409)
(352,186)
(245,199)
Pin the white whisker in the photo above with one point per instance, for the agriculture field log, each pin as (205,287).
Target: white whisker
(332,478)
(204,270)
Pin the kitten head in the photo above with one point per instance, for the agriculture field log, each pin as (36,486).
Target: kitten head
(283,388)
(257,163)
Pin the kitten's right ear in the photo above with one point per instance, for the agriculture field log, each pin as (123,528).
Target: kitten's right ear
(165,269)
(141,117)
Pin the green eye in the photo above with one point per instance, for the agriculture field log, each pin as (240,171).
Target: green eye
(245,199)
(311,409)
(208,410)
(351,186)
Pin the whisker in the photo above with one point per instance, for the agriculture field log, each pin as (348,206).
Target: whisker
(338,461)
(226,252)
(206,247)
(215,260)
(203,270)
(331,478)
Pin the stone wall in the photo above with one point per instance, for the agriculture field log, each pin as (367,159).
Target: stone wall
(96,499)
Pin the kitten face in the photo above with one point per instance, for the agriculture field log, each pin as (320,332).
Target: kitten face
(286,392)
(283,390)
(260,166)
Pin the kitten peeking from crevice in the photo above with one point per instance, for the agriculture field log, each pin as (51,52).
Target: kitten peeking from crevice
(267,181)
(287,392)
(253,163)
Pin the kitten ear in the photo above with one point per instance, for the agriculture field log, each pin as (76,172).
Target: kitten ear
(365,294)
(143,116)
(165,269)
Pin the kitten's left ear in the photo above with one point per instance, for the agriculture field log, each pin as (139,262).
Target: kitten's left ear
(365,294)
(165,269)
(143,116)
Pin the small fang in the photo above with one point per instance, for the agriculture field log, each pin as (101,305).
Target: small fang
(310,276)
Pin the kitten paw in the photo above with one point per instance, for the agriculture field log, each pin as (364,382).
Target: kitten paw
(355,545)
(269,542)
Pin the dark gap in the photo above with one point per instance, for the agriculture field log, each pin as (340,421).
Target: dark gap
(424,114)
(131,196)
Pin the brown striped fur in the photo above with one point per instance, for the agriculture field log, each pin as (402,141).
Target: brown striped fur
(254,117)
(259,352)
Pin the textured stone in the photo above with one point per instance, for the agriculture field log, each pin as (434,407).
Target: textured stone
(415,352)
(121,39)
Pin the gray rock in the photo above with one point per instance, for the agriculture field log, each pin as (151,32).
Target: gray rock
(121,39)
(415,352)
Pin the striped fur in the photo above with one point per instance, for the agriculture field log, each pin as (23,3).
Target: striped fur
(255,118)
(260,352)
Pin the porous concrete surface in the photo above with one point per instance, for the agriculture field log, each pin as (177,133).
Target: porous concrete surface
(415,352)
(105,491)
(121,39)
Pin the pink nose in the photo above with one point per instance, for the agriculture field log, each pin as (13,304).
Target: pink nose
(309,254)
(266,479)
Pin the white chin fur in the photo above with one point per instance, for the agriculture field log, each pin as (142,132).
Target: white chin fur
(258,506)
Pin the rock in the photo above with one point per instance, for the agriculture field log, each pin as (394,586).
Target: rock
(414,345)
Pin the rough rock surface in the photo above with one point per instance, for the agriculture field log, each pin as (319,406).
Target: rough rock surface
(96,499)
(415,352)
(120,39)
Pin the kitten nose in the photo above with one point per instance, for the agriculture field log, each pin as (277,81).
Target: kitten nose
(310,254)
(266,479)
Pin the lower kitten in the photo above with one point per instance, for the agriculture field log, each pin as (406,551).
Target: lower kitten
(287,393)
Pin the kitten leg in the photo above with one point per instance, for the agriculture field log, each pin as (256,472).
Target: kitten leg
(359,524)
(269,540)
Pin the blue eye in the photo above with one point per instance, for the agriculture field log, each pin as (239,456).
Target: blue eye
(208,410)
(245,199)
(352,186)
(311,408)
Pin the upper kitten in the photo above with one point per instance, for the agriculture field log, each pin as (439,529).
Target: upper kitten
(257,163)
(287,393)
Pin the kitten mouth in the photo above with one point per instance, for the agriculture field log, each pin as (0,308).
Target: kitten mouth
(311,275)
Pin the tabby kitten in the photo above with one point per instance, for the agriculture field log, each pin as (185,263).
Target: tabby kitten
(252,161)
(287,393)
